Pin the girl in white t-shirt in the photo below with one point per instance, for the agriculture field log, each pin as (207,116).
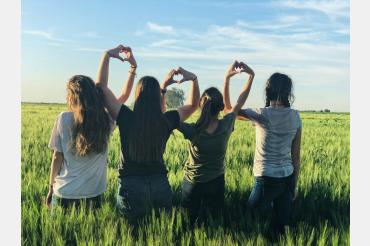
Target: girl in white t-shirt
(80,139)
(277,155)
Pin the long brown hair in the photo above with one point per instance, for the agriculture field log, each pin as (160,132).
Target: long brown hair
(149,126)
(91,128)
(210,103)
(279,88)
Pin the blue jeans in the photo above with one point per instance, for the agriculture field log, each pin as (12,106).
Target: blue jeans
(94,202)
(274,194)
(202,198)
(138,194)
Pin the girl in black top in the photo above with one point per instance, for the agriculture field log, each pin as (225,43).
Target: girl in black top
(144,131)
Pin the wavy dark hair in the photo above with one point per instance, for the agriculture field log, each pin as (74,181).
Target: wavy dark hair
(279,88)
(150,126)
(211,104)
(91,126)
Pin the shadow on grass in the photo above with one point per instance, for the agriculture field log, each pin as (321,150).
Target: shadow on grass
(314,207)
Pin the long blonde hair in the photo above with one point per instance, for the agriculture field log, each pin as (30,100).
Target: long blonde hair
(91,127)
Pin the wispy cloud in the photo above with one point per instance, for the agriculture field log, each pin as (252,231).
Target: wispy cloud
(306,52)
(154,27)
(332,8)
(91,34)
(90,49)
(45,34)
(164,43)
(53,44)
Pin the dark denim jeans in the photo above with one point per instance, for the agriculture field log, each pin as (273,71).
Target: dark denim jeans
(273,194)
(202,198)
(138,194)
(94,202)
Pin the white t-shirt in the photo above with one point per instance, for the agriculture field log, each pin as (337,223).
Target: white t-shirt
(275,130)
(79,177)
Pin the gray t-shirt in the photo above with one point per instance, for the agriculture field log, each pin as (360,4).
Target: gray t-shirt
(79,177)
(275,131)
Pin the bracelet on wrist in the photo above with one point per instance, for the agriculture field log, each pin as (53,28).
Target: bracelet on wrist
(132,72)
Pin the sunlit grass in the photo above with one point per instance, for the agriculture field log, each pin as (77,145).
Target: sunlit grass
(321,210)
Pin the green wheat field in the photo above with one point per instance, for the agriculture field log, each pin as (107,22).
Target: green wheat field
(321,210)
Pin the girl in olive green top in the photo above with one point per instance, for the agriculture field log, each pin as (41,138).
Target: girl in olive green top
(204,182)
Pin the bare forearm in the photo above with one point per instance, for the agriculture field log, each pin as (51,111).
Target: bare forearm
(245,92)
(296,165)
(103,71)
(127,87)
(55,167)
(227,93)
(163,96)
(296,154)
(194,95)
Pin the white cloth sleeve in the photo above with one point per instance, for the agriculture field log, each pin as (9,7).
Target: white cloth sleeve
(254,115)
(299,120)
(55,142)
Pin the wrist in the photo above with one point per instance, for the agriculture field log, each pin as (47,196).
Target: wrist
(164,85)
(227,77)
(107,54)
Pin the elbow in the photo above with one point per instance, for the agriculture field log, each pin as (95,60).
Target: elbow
(193,108)
(122,99)
(58,157)
(100,85)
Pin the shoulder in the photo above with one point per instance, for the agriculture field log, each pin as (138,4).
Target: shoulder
(173,116)
(255,110)
(186,126)
(297,117)
(65,117)
(172,113)
(65,114)
(230,117)
(187,129)
(123,113)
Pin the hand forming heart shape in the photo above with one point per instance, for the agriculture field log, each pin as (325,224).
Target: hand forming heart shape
(115,52)
(186,75)
(238,67)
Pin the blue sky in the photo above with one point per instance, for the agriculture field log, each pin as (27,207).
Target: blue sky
(308,40)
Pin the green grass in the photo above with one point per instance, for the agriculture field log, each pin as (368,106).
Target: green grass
(321,210)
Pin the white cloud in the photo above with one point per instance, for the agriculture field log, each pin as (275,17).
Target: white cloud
(90,49)
(154,27)
(164,43)
(91,34)
(332,8)
(53,44)
(45,34)
(310,55)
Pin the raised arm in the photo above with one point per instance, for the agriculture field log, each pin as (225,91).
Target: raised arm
(127,87)
(296,156)
(226,91)
(112,103)
(192,100)
(55,167)
(246,89)
(166,82)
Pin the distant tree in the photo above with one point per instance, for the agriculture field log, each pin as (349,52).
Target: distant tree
(326,110)
(175,98)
